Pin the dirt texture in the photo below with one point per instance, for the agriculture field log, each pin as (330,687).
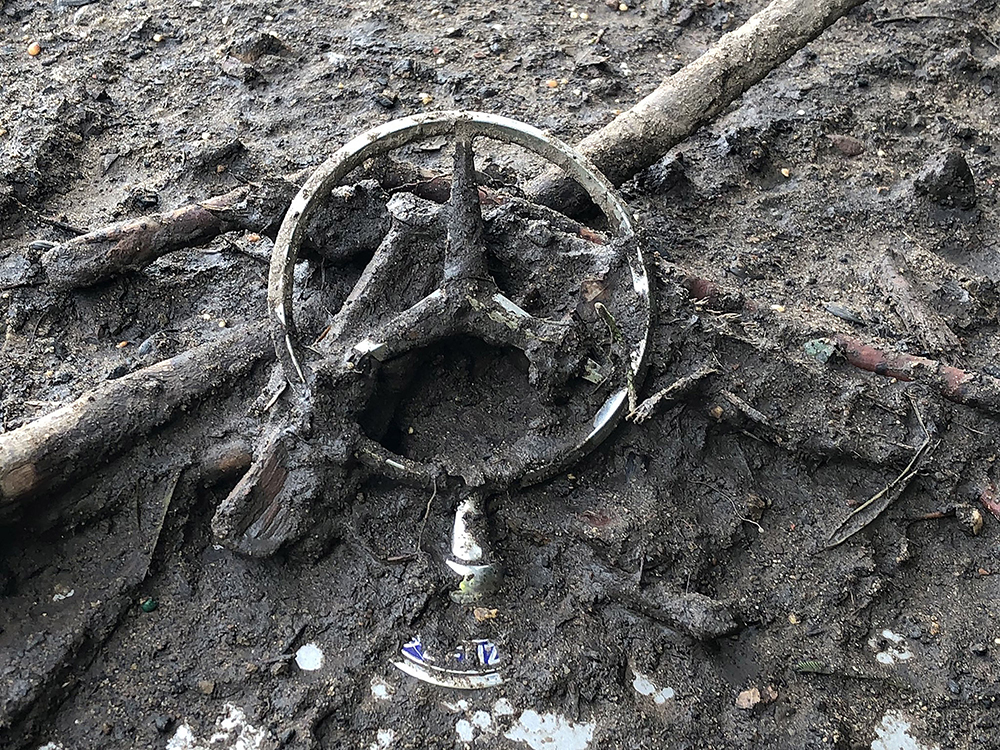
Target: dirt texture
(679,587)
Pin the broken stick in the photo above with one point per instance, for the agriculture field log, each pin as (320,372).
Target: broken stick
(873,507)
(974,389)
(69,442)
(257,207)
(133,245)
(694,96)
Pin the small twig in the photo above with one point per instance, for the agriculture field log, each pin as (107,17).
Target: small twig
(408,556)
(858,518)
(71,228)
(676,390)
(911,305)
(277,394)
(729,497)
(58,223)
(427,513)
(746,409)
(915,18)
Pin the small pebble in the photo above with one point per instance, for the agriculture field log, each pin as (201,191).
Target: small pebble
(425,98)
(979,648)
(162,722)
(206,686)
(483,613)
(157,38)
(622,7)
(34,49)
(786,172)
(552,83)
(970,520)
(121,345)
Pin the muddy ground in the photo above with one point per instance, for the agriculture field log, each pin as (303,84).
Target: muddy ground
(856,146)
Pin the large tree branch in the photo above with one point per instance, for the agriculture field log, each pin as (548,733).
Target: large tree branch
(694,95)
(69,442)
(133,245)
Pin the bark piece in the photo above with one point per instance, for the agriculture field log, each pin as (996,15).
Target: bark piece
(909,304)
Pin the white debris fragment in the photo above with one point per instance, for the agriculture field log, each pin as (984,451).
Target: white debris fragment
(183,739)
(60,595)
(232,732)
(383,740)
(545,731)
(892,637)
(894,734)
(464,730)
(645,686)
(894,653)
(503,708)
(481,719)
(381,690)
(309,657)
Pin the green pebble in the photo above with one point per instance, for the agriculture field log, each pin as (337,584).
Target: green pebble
(819,349)
(149,604)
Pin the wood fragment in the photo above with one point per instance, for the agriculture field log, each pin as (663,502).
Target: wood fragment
(54,449)
(256,518)
(746,409)
(909,302)
(989,498)
(694,96)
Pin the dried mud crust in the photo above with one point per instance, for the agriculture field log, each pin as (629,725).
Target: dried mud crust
(792,197)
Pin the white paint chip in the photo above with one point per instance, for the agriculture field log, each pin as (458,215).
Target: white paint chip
(381,690)
(547,731)
(891,654)
(894,734)
(892,637)
(503,708)
(481,719)
(645,686)
(464,730)
(309,657)
(232,732)
(383,739)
